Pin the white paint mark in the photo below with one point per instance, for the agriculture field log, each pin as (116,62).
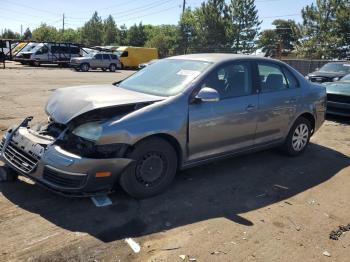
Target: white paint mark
(133,245)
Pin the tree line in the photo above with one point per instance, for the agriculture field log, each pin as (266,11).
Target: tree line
(220,26)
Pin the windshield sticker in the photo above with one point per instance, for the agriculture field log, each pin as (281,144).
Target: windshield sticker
(192,73)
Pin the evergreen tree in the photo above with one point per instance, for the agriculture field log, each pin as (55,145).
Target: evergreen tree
(92,31)
(27,34)
(244,25)
(110,32)
(136,35)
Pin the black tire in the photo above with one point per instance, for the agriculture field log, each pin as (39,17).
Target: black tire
(104,69)
(122,66)
(153,170)
(36,63)
(11,175)
(85,67)
(298,137)
(112,67)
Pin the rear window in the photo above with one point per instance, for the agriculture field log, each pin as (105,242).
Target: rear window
(125,54)
(98,56)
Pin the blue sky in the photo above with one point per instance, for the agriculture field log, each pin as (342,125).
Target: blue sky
(13,13)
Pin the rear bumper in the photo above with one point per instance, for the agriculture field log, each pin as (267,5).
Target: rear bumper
(57,169)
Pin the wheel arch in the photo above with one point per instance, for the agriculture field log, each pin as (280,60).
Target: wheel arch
(310,117)
(171,140)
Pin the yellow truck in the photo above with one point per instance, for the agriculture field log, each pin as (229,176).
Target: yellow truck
(131,57)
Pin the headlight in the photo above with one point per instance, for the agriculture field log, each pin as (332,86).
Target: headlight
(336,79)
(90,131)
(307,77)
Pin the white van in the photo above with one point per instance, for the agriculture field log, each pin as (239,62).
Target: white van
(28,48)
(51,53)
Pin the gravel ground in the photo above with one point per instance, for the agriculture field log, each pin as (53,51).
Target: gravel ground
(259,207)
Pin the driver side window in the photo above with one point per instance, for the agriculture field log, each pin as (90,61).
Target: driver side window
(231,80)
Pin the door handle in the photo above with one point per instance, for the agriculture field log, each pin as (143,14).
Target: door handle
(250,108)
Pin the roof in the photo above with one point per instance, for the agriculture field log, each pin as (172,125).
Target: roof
(218,57)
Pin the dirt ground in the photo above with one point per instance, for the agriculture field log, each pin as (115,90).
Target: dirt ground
(259,207)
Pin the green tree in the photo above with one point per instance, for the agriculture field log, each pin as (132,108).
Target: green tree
(268,41)
(92,31)
(27,34)
(187,32)
(325,29)
(210,24)
(9,34)
(288,34)
(162,37)
(45,33)
(110,31)
(245,25)
(70,35)
(136,35)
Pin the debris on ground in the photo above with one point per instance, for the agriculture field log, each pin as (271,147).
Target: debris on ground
(297,227)
(192,259)
(170,248)
(326,253)
(218,252)
(101,201)
(183,257)
(133,245)
(335,234)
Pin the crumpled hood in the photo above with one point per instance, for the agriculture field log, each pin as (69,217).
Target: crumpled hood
(70,102)
(342,88)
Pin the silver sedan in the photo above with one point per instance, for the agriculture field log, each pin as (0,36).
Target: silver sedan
(174,114)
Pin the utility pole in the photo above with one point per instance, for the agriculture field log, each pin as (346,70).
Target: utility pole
(21,30)
(183,6)
(63,24)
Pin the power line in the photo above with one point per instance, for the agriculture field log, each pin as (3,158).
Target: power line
(30,7)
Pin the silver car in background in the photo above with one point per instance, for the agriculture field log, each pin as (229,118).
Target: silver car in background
(105,61)
(174,114)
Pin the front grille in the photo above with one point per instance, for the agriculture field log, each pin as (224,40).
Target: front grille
(338,98)
(20,159)
(2,142)
(63,180)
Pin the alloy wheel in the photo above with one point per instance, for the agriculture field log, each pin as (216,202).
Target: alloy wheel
(300,137)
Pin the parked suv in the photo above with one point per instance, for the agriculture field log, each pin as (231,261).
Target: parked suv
(174,114)
(96,60)
(330,72)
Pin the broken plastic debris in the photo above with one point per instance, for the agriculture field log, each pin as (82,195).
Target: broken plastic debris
(182,257)
(326,253)
(133,245)
(101,201)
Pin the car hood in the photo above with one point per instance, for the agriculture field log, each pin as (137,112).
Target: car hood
(67,103)
(342,88)
(327,74)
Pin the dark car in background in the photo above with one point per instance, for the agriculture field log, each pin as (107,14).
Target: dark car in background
(330,72)
(338,96)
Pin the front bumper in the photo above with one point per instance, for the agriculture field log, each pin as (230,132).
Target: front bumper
(56,169)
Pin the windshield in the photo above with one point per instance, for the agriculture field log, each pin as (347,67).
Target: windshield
(346,78)
(335,67)
(36,48)
(166,77)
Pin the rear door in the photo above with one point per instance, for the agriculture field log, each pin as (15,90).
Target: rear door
(106,60)
(96,61)
(278,100)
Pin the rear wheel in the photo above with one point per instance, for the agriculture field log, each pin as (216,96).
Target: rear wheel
(153,170)
(298,137)
(112,68)
(84,67)
(104,69)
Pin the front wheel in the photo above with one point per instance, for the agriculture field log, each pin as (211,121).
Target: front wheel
(153,170)
(298,137)
(84,67)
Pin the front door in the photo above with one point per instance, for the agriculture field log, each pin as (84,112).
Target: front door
(227,125)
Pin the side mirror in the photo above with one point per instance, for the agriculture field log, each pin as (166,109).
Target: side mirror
(207,94)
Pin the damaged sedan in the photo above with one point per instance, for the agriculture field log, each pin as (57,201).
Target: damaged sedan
(174,114)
